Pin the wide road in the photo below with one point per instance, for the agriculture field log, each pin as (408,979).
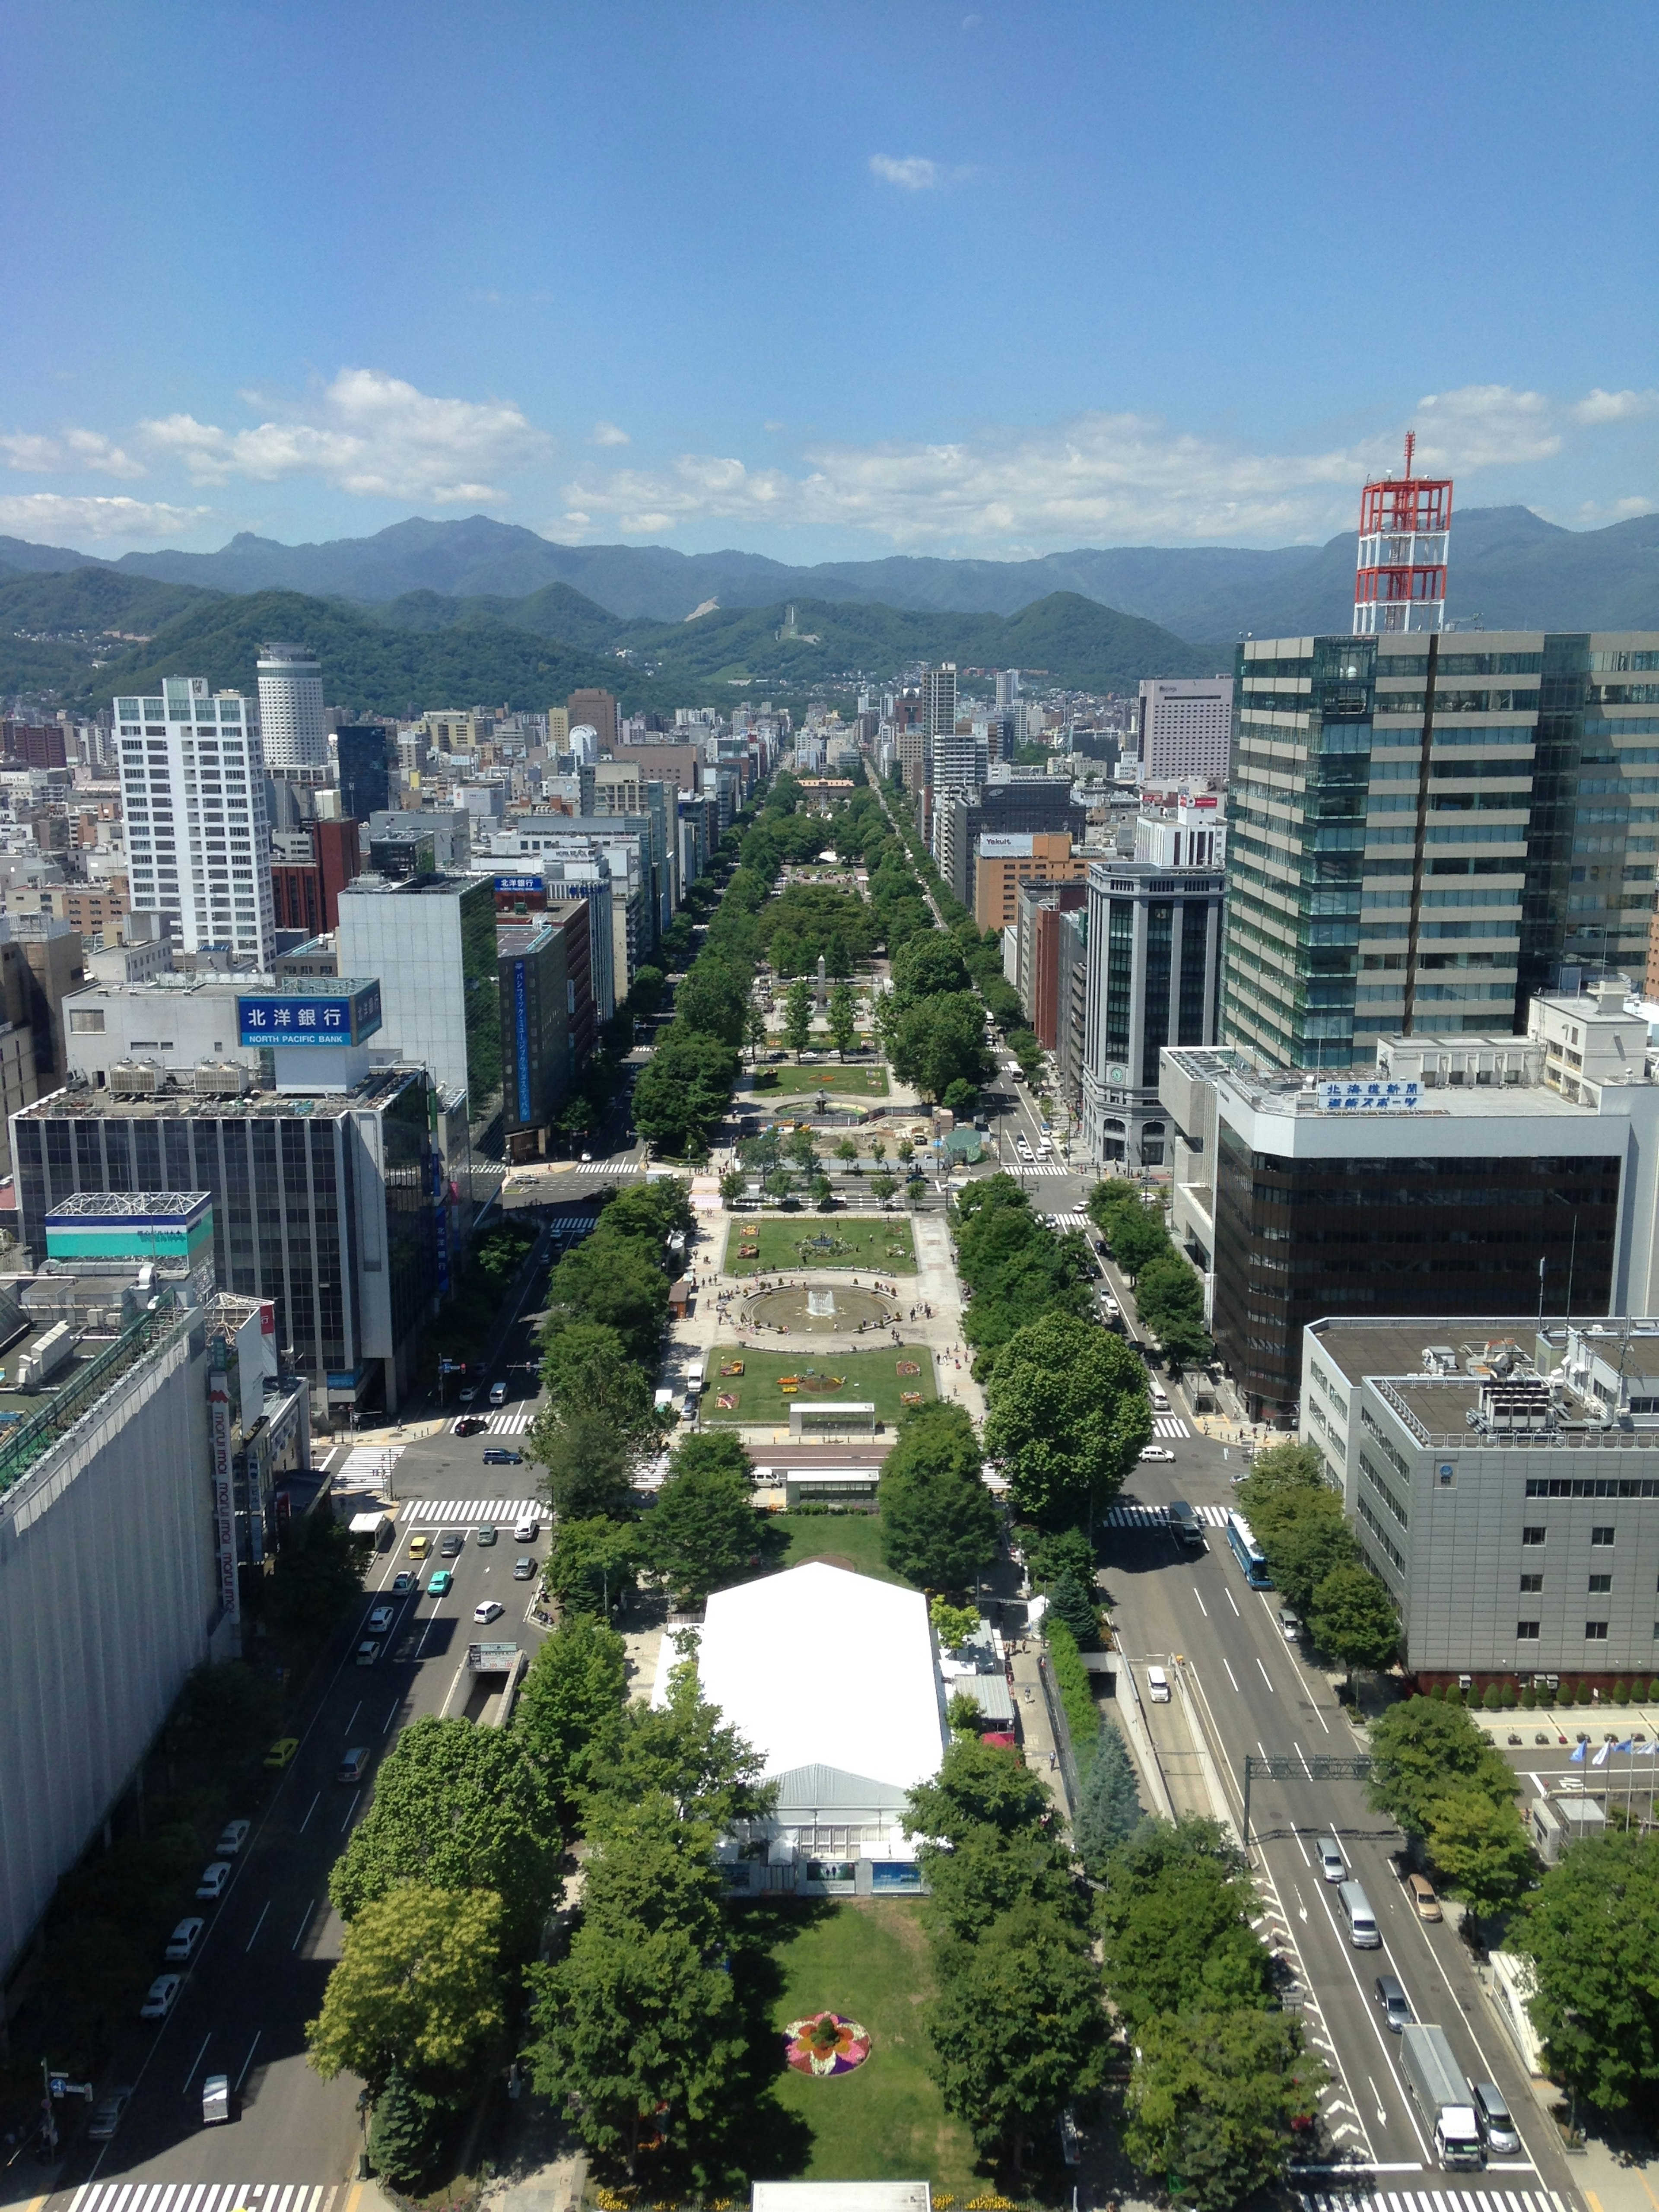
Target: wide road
(259,1972)
(1240,1686)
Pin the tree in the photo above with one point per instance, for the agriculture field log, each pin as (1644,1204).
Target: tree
(224,1712)
(418,1988)
(1421,1750)
(1067,1415)
(733,1184)
(319,1575)
(882,1187)
(1480,1850)
(952,1623)
(1063,1552)
(1211,2099)
(929,967)
(1071,1605)
(586,1369)
(1591,1930)
(938,1041)
(713,999)
(586,1465)
(645,992)
(842,1010)
(456,1807)
(753,1029)
(978,1785)
(571,1703)
(610,1280)
(1169,1300)
(822,1190)
(846,1152)
(684,1088)
(798,1016)
(1018,2029)
(592,1563)
(1174,1924)
(401,2135)
(686,1751)
(1353,1616)
(1304,1551)
(802,1150)
(938,1522)
(1109,1809)
(704,1531)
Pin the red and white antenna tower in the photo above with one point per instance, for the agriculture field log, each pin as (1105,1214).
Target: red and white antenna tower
(1405,526)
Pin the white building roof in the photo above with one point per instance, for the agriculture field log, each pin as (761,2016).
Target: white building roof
(820,1668)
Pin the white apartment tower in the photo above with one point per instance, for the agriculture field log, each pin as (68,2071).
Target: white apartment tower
(193,796)
(1186,727)
(1007,687)
(939,699)
(291,708)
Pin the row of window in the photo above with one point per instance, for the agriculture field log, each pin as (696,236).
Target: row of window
(1602,1535)
(1595,1632)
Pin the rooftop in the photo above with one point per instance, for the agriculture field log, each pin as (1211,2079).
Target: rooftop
(81,1103)
(129,1205)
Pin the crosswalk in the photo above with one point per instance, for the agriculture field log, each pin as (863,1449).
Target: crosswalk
(1432,2200)
(459,1512)
(499,1424)
(1170,1424)
(1041,1168)
(1157,1516)
(1064,1221)
(206,2196)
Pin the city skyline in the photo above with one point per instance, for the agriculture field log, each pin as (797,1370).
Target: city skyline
(671,293)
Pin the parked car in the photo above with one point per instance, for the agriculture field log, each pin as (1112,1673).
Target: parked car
(489,1611)
(438,1583)
(106,2115)
(1289,1625)
(1421,1890)
(1157,1452)
(160,1998)
(498,1455)
(183,1939)
(280,1752)
(404,1583)
(213,1878)
(232,1837)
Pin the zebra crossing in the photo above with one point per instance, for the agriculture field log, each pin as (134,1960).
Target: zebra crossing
(1042,1168)
(1064,1221)
(499,1424)
(1157,1516)
(454,1513)
(1170,1424)
(1432,2200)
(206,2196)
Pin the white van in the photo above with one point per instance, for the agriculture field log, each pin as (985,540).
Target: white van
(1157,1394)
(527,1530)
(1363,1931)
(1157,1686)
(498,1394)
(694,1374)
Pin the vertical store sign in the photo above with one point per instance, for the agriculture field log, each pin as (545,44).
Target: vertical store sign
(224,1506)
(521,1031)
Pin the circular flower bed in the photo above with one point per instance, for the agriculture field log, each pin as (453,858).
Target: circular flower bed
(824,2043)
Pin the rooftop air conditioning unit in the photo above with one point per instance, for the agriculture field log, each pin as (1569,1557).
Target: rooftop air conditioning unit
(135,1079)
(222,1079)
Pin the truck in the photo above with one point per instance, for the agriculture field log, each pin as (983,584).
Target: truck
(1442,2096)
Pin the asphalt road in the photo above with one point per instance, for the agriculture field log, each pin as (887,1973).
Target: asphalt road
(1238,1686)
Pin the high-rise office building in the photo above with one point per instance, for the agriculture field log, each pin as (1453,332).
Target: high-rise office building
(431,942)
(1186,728)
(597,711)
(1007,686)
(1425,829)
(291,719)
(198,840)
(939,699)
(365,772)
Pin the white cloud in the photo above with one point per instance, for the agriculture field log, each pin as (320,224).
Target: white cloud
(1097,478)
(1599,406)
(50,516)
(608,433)
(369,433)
(913,173)
(74,450)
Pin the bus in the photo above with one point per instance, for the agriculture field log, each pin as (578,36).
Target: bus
(1249,1554)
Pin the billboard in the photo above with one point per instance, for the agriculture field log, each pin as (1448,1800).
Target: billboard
(1370,1098)
(224,1501)
(283,1020)
(518,885)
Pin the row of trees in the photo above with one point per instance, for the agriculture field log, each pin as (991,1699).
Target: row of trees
(1297,1519)
(1169,1296)
(981,950)
(1435,1773)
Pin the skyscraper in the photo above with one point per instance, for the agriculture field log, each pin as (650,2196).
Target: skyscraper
(291,719)
(939,699)
(365,778)
(192,775)
(1425,829)
(1007,686)
(1186,725)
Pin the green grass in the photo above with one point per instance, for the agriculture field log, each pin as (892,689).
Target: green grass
(780,1236)
(845,1539)
(794,1082)
(869,1961)
(872,1376)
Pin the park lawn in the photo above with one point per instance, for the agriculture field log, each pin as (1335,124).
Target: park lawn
(780,1235)
(870,1377)
(854,1081)
(845,1539)
(868,1959)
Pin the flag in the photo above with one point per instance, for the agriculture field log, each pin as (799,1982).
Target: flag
(1576,1756)
(1600,1757)
(1627,1745)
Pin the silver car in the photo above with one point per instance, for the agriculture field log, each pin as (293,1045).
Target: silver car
(1331,1863)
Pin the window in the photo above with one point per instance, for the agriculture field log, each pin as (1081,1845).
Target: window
(1600,1537)
(1531,1584)
(1595,1632)
(1534,1536)
(1600,1585)
(1526,1631)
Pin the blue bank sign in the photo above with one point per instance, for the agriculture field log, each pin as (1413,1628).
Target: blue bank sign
(282,1019)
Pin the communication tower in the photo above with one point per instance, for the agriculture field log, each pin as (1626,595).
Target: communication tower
(1404,526)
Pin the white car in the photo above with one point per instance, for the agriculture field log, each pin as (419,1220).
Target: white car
(381,1619)
(1157,1451)
(367,1652)
(183,1939)
(489,1611)
(213,1878)
(159,1999)
(236,1834)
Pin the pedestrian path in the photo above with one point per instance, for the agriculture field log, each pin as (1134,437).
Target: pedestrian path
(205,2196)
(1170,1424)
(1158,1516)
(453,1513)
(1473,2199)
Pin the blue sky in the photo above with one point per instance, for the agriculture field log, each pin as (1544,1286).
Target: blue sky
(821,280)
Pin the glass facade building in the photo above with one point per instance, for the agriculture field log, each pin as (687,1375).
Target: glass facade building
(1426,830)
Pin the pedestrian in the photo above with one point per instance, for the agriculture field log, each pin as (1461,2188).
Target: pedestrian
(1053,1762)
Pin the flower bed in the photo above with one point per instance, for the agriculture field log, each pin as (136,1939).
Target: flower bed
(824,2043)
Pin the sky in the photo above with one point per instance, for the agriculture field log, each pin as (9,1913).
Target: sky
(823,282)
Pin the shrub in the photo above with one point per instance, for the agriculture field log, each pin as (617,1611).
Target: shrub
(1511,1698)
(1076,1696)
(1528,1698)
(1621,1691)
(1493,1699)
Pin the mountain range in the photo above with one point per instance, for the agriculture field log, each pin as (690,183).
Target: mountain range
(1508,566)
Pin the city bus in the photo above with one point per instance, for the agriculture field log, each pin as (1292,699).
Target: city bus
(1249,1554)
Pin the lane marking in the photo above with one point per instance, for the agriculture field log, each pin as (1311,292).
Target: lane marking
(1231,1677)
(194,2064)
(1232,1601)
(1267,1678)
(248,2061)
(350,1809)
(305,1922)
(392,1715)
(355,1709)
(310,1809)
(1202,1608)
(257,1925)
